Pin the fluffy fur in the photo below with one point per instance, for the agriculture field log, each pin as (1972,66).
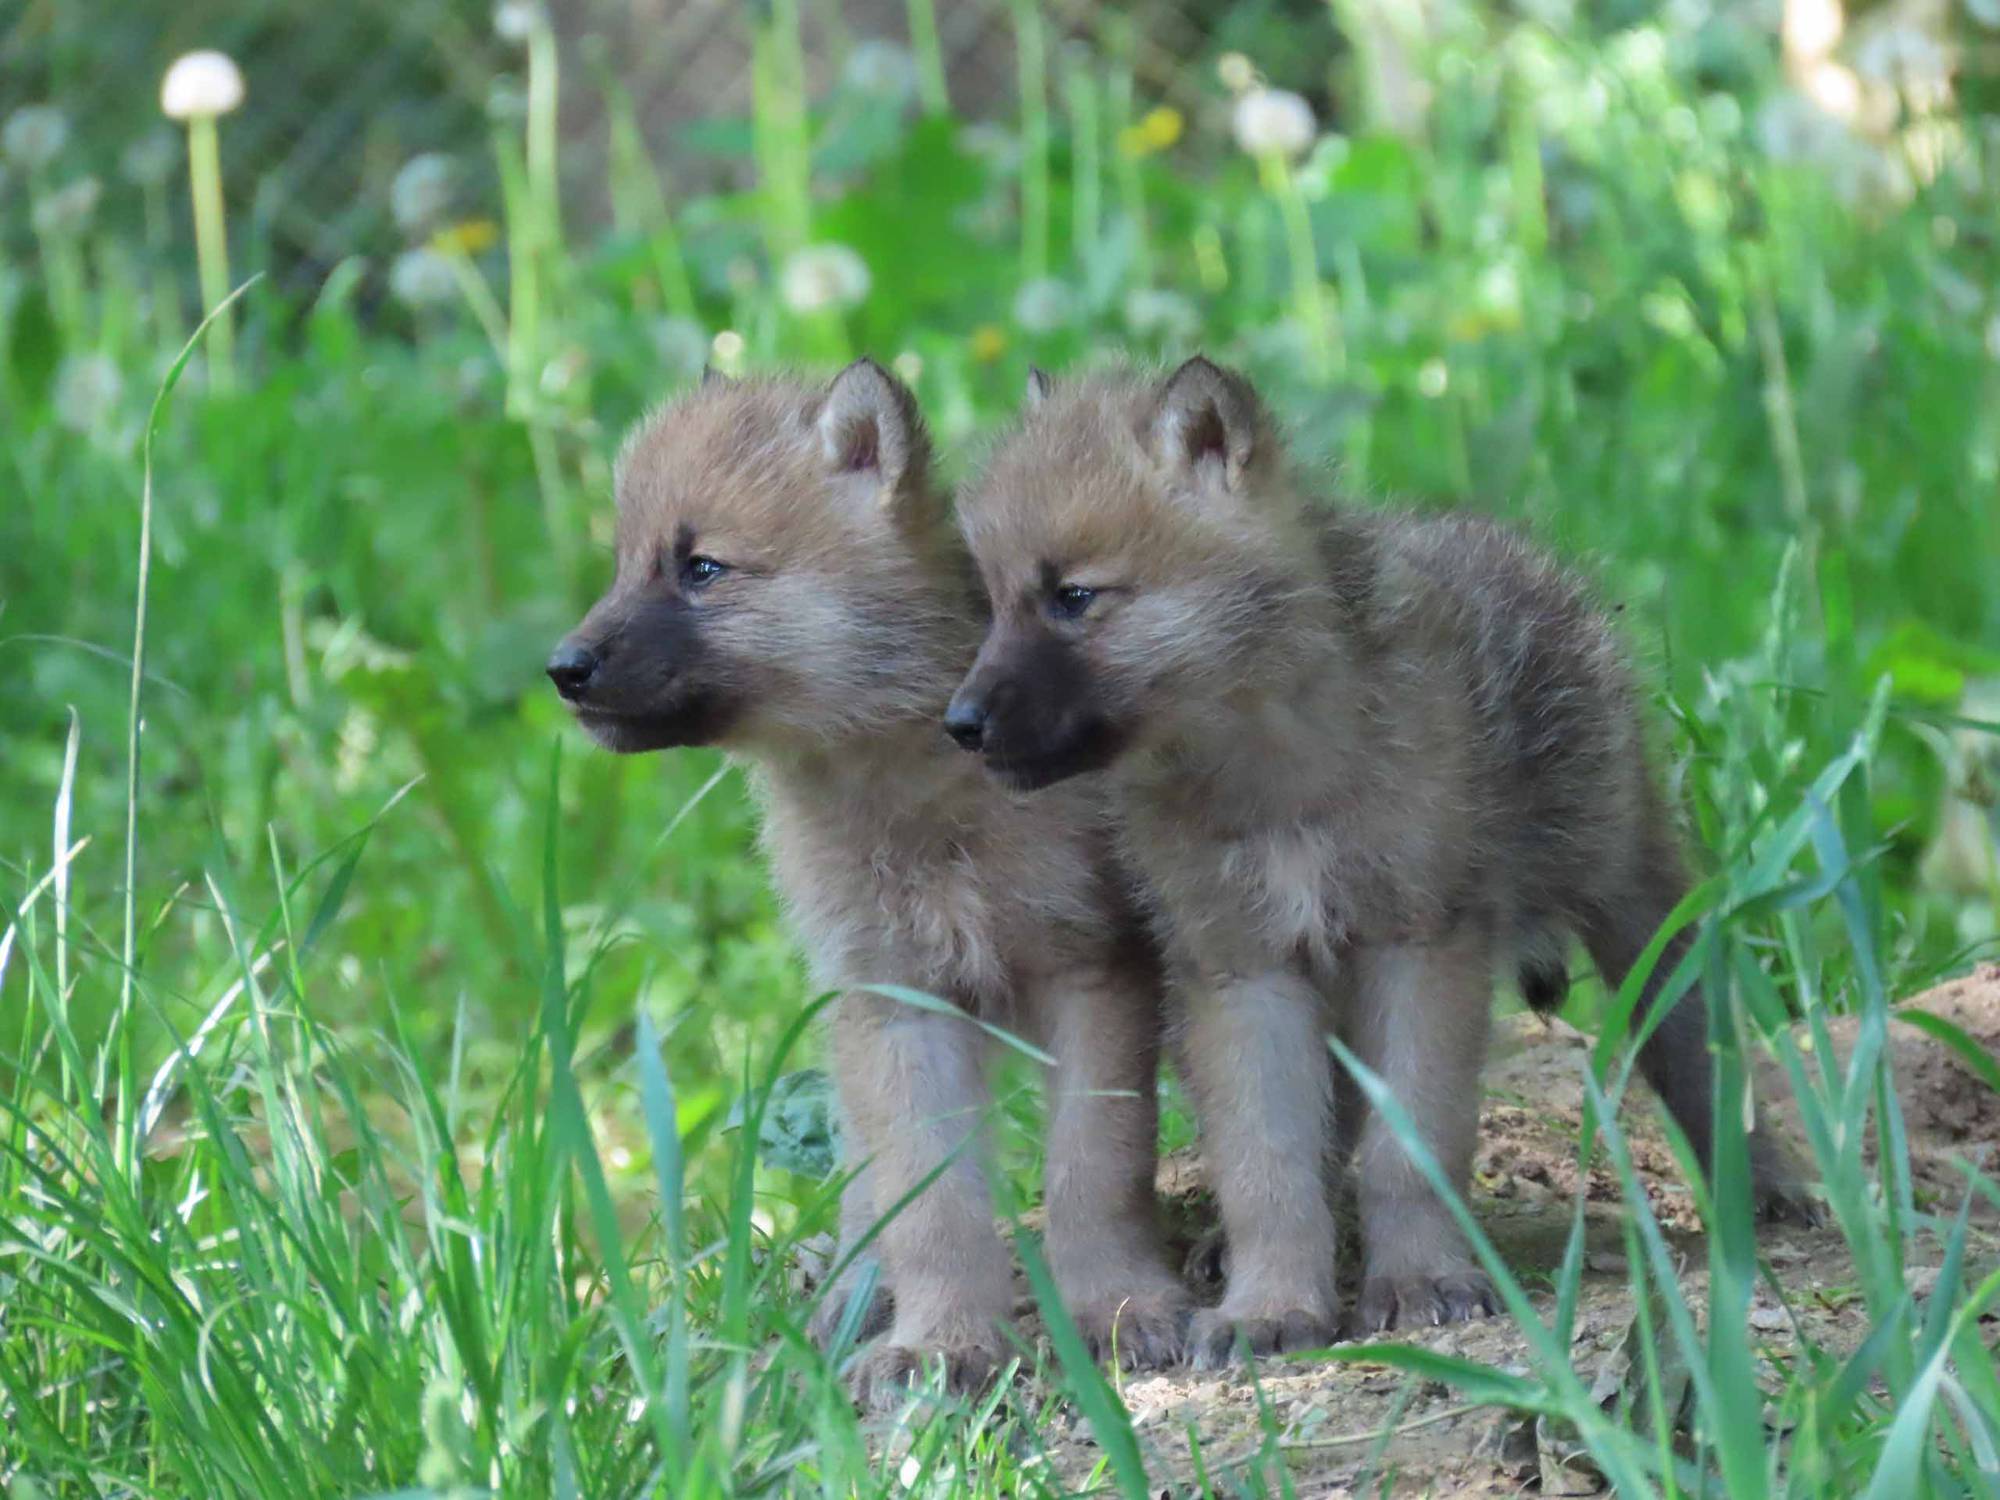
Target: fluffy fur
(1360,760)
(790,587)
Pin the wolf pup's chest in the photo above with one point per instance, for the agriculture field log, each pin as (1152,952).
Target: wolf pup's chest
(921,909)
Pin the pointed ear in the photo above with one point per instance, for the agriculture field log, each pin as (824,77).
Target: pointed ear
(710,376)
(1203,418)
(1039,387)
(870,426)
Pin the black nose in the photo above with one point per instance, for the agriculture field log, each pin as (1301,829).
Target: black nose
(571,668)
(966,723)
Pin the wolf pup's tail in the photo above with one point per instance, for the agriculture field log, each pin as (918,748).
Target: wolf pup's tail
(1541,968)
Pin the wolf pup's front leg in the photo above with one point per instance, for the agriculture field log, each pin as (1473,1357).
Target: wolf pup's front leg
(1263,1081)
(913,1091)
(1421,1020)
(1105,1247)
(857,1221)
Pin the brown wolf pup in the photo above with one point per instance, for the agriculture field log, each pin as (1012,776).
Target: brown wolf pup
(790,587)
(1360,761)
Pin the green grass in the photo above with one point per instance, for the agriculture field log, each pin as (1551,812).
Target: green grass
(410,1144)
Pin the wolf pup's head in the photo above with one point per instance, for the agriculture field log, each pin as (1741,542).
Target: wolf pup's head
(1138,540)
(786,574)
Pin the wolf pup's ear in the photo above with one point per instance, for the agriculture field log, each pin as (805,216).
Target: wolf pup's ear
(1203,420)
(710,376)
(870,426)
(1039,387)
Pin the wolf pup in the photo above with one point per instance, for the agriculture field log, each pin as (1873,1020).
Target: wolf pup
(790,587)
(1360,759)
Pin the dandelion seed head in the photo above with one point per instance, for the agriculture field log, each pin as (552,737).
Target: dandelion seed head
(1151,313)
(422,278)
(728,348)
(150,160)
(69,209)
(201,85)
(681,345)
(1273,121)
(88,390)
(881,70)
(1812,28)
(516,20)
(420,193)
(821,278)
(1044,305)
(34,135)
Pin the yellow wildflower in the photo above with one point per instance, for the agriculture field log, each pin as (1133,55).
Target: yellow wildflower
(467,237)
(989,342)
(1156,130)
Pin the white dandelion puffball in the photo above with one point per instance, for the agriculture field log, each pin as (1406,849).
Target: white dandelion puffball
(1153,313)
(823,276)
(1044,305)
(150,160)
(1237,72)
(420,194)
(881,70)
(69,208)
(34,135)
(681,344)
(88,389)
(516,20)
(422,278)
(201,85)
(1271,121)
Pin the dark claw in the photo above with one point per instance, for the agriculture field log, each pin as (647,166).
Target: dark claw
(1423,1301)
(1215,1338)
(882,1377)
(1147,1336)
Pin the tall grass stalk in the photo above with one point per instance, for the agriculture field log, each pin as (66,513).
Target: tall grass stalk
(544,72)
(781,131)
(1086,135)
(1032,66)
(129,945)
(1315,316)
(640,204)
(1131,176)
(211,240)
(928,50)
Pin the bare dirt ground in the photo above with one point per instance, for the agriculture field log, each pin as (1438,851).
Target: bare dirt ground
(1328,1417)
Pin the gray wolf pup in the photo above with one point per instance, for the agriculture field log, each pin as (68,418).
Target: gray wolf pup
(1360,760)
(790,588)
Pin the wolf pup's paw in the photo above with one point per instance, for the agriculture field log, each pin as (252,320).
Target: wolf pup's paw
(1207,1261)
(1423,1301)
(826,1319)
(1217,1334)
(1144,1332)
(881,1377)
(1786,1200)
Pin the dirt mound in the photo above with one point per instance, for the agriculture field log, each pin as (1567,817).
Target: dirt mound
(1329,1417)
(1947,1107)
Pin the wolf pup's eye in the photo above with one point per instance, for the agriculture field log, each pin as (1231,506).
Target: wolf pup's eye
(702,571)
(1072,601)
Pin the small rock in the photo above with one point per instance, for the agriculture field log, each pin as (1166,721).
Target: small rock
(1606,1262)
(1768,1319)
